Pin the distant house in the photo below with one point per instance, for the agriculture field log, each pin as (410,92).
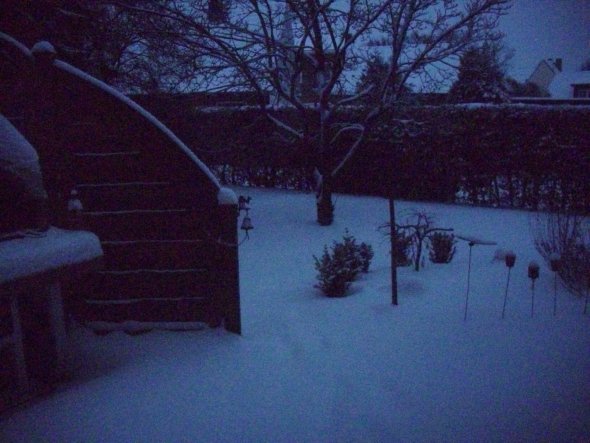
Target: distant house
(562,85)
(582,87)
(545,72)
(571,85)
(549,75)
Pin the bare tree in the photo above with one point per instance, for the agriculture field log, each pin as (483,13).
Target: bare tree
(282,46)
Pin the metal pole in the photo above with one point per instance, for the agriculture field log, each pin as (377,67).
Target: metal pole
(555,295)
(533,300)
(392,235)
(587,295)
(506,292)
(468,281)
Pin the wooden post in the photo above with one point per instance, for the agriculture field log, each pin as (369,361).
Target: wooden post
(56,318)
(227,272)
(392,234)
(17,343)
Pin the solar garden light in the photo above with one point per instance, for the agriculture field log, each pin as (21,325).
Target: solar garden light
(510,259)
(555,263)
(533,275)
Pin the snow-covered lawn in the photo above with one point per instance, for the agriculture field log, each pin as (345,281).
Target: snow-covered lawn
(310,368)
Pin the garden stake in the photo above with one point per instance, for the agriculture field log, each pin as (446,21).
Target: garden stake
(468,280)
(555,295)
(472,241)
(587,294)
(555,262)
(510,260)
(533,275)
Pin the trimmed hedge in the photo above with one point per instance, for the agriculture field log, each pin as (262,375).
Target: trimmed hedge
(523,156)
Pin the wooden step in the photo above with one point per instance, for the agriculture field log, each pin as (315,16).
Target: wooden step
(109,167)
(156,254)
(92,136)
(132,196)
(176,310)
(169,224)
(147,284)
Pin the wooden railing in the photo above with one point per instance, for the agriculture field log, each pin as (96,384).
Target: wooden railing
(170,246)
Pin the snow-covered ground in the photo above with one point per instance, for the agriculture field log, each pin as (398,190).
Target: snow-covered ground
(312,369)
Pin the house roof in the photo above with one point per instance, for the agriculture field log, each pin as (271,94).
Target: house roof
(561,86)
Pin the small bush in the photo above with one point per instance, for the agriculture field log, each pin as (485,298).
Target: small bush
(340,266)
(567,236)
(402,249)
(366,253)
(441,247)
(333,272)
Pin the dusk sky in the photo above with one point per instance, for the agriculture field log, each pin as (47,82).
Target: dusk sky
(538,29)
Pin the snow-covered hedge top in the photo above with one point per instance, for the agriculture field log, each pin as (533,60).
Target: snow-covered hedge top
(147,115)
(226,196)
(57,248)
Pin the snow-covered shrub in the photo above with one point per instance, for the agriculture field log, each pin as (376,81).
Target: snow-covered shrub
(410,238)
(359,254)
(340,265)
(441,247)
(366,254)
(566,236)
(402,249)
(334,272)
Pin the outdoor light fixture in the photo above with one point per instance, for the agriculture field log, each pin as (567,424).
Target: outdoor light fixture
(555,263)
(246,224)
(75,209)
(243,203)
(510,261)
(533,275)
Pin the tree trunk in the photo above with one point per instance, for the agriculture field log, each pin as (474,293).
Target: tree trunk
(325,207)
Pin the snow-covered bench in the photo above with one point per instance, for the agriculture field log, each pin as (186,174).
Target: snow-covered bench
(33,265)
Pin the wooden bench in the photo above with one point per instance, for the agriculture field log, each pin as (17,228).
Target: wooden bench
(34,268)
